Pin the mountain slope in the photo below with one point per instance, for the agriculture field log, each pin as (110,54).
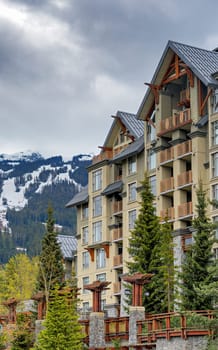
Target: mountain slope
(28,184)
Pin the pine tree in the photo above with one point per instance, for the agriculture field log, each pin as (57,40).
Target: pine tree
(51,271)
(62,330)
(143,240)
(198,259)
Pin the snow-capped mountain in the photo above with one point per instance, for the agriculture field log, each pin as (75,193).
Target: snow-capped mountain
(28,178)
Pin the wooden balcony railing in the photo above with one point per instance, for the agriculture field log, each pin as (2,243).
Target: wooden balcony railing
(185,209)
(116,287)
(119,149)
(184,178)
(102,156)
(117,207)
(167,184)
(166,154)
(118,260)
(168,213)
(183,148)
(116,328)
(117,233)
(178,120)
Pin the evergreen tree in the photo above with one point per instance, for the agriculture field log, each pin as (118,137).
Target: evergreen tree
(62,330)
(23,334)
(198,259)
(51,269)
(143,241)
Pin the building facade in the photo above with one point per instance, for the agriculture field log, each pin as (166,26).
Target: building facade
(174,138)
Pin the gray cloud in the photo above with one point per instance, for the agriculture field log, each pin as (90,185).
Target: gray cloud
(67,65)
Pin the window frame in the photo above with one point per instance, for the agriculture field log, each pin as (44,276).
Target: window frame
(97,231)
(131,223)
(97,205)
(132,165)
(132,191)
(214,133)
(97,180)
(85,235)
(100,258)
(85,260)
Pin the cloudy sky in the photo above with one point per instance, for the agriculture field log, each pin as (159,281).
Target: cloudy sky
(66,66)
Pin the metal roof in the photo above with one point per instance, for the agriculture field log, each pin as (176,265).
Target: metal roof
(68,245)
(135,126)
(203,63)
(79,198)
(133,149)
(113,188)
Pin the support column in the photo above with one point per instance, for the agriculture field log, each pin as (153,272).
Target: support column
(136,313)
(96,330)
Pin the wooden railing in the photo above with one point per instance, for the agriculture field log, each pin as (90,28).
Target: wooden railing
(174,325)
(184,178)
(117,233)
(184,148)
(117,260)
(185,209)
(167,154)
(167,184)
(179,119)
(117,207)
(102,156)
(168,213)
(116,328)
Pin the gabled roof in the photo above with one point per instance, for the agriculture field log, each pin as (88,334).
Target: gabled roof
(203,63)
(79,198)
(131,150)
(68,245)
(132,124)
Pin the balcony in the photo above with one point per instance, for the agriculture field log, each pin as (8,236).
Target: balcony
(117,234)
(184,148)
(116,287)
(168,213)
(178,120)
(167,184)
(117,207)
(185,97)
(166,155)
(102,156)
(185,209)
(184,178)
(117,261)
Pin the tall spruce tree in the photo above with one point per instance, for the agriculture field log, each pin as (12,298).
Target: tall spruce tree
(195,269)
(143,240)
(51,271)
(62,329)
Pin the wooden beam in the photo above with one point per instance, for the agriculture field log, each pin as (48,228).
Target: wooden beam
(205,101)
(91,253)
(155,89)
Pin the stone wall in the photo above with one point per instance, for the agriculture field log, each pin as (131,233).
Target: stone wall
(191,343)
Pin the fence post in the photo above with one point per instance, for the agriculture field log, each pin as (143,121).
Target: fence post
(96,330)
(136,313)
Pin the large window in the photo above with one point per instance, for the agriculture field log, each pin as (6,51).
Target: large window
(131,165)
(100,258)
(85,260)
(151,159)
(85,211)
(215,133)
(97,207)
(153,185)
(85,282)
(97,180)
(132,191)
(132,218)
(97,231)
(85,235)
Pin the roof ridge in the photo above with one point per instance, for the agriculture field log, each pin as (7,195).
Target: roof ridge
(191,46)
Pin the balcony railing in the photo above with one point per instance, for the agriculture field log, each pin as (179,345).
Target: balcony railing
(184,148)
(168,213)
(167,184)
(166,155)
(185,209)
(117,287)
(178,120)
(117,207)
(118,260)
(117,233)
(184,178)
(102,156)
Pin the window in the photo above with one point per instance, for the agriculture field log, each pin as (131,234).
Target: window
(85,260)
(151,159)
(85,235)
(97,231)
(215,101)
(103,304)
(151,131)
(132,218)
(101,277)
(122,137)
(85,306)
(132,191)
(97,208)
(215,220)
(85,282)
(215,133)
(215,164)
(132,165)
(153,185)
(85,211)
(215,192)
(100,258)
(97,180)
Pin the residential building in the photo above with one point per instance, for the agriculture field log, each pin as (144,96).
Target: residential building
(174,137)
